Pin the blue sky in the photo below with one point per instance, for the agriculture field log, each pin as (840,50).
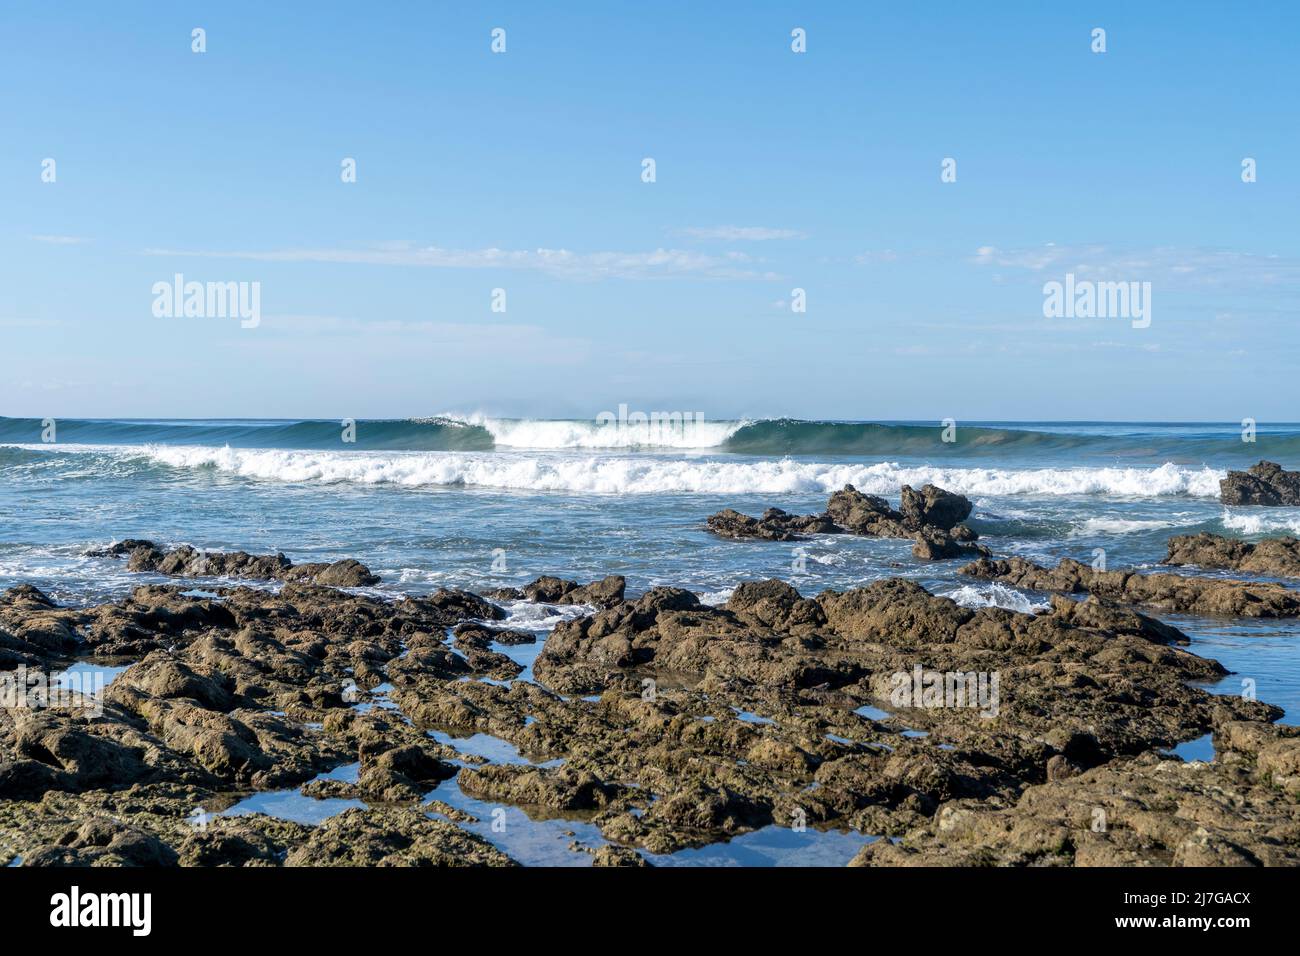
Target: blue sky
(775,171)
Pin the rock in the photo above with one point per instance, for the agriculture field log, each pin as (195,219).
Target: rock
(1099,615)
(730,523)
(476,635)
(161,675)
(774,525)
(550,590)
(348,573)
(1143,811)
(934,507)
(610,855)
(931,516)
(935,544)
(33,628)
(699,807)
(327,789)
(401,773)
(1060,767)
(1115,686)
(1183,594)
(664,722)
(561,788)
(122,549)
(452,605)
(185,561)
(393,836)
(216,848)
(1279,762)
(775,604)
(1264,484)
(104,842)
(866,514)
(55,749)
(1276,557)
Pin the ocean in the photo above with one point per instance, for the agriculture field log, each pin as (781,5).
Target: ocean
(477,502)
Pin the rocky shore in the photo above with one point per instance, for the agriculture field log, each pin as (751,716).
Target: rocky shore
(950,735)
(931,517)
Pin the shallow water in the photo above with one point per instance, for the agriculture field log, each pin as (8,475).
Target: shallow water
(492,749)
(533,842)
(1202,748)
(773,846)
(88,675)
(292,805)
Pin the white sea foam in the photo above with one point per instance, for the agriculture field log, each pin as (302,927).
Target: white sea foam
(1111,525)
(1287,521)
(528,616)
(643,474)
(716,598)
(995,595)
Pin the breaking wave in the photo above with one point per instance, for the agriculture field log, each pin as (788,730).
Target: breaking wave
(627,431)
(631,474)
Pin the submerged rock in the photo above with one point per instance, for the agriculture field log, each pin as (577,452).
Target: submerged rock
(603,593)
(606,592)
(1178,593)
(1266,483)
(774,525)
(1278,557)
(187,562)
(936,544)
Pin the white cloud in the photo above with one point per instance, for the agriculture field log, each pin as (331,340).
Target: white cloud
(489,339)
(873,256)
(742,233)
(61,240)
(1174,267)
(563,263)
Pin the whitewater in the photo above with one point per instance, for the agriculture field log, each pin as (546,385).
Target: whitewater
(616,474)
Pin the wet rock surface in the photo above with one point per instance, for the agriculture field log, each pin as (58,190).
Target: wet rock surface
(1266,483)
(1275,557)
(552,590)
(931,517)
(773,525)
(187,562)
(1177,593)
(656,721)
(393,836)
(1149,810)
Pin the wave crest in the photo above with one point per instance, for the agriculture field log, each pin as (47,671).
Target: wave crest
(610,474)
